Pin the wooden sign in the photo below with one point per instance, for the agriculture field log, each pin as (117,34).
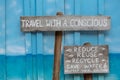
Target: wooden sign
(64,23)
(83,59)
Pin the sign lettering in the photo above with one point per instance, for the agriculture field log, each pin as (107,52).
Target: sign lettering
(65,23)
(83,59)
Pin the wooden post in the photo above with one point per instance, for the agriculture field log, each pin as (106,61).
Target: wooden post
(57,52)
(87,76)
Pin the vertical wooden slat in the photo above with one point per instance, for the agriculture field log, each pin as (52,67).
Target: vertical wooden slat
(28,48)
(77,35)
(101,38)
(2,41)
(49,9)
(44,73)
(69,36)
(89,8)
(34,42)
(40,62)
(15,51)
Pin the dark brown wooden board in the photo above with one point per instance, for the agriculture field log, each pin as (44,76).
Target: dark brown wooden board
(86,59)
(64,23)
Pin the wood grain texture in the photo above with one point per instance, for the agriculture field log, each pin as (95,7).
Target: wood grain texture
(57,55)
(57,52)
(87,76)
(76,58)
(64,23)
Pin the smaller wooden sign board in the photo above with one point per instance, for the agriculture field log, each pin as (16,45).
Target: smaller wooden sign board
(86,59)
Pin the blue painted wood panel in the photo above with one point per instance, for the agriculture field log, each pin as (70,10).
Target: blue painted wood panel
(30,56)
(2,42)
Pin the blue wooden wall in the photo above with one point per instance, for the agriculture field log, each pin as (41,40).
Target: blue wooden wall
(29,56)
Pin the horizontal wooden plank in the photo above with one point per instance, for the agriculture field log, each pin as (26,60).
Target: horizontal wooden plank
(86,59)
(64,23)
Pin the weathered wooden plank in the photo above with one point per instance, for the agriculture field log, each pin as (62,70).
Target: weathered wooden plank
(64,23)
(77,34)
(89,8)
(87,76)
(40,58)
(69,36)
(69,40)
(28,46)
(49,9)
(2,41)
(84,59)
(15,48)
(101,37)
(34,42)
